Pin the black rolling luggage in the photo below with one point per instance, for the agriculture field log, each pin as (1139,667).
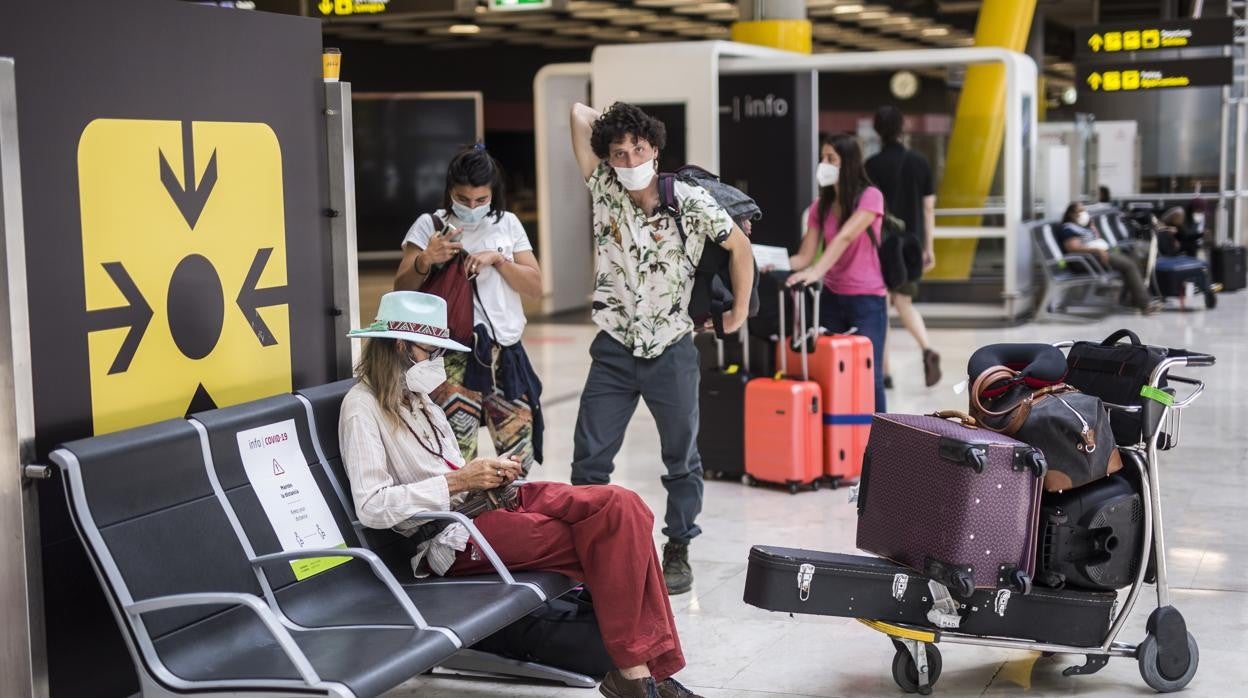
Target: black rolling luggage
(1230,266)
(855,586)
(762,353)
(1091,535)
(721,415)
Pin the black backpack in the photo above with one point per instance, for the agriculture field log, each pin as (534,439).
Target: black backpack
(712,276)
(562,633)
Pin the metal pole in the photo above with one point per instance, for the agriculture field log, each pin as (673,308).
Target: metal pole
(344,262)
(23,650)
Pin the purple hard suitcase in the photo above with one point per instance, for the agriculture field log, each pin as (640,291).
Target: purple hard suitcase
(954,502)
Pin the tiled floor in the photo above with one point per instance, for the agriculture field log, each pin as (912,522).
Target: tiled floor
(738,650)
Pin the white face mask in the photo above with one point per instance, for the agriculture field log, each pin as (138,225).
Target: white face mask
(470,215)
(636,178)
(827,174)
(1083,219)
(425,376)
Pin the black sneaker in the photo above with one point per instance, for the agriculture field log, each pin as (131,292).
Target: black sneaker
(888,382)
(676,571)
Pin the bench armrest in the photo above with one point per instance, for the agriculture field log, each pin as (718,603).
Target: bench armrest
(374,562)
(1087,261)
(284,640)
(482,544)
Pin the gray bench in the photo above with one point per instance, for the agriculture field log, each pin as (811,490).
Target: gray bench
(207,600)
(1072,279)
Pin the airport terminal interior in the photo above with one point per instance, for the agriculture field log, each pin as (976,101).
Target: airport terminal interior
(911,335)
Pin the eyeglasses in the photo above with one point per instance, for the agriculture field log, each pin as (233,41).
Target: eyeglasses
(433,352)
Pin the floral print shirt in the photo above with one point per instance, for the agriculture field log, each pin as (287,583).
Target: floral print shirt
(643,275)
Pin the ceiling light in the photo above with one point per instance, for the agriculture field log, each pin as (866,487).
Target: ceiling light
(887,21)
(705,8)
(580,5)
(602,13)
(874,14)
(936,31)
(664,3)
(847,9)
(465,29)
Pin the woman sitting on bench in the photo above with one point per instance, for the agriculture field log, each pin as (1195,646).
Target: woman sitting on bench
(403,459)
(1078,235)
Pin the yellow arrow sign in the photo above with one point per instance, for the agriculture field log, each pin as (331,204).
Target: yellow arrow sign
(1094,81)
(1095,42)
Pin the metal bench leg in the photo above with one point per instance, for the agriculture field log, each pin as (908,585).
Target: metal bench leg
(475,663)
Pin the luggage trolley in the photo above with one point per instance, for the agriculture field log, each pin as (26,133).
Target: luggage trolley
(1167,656)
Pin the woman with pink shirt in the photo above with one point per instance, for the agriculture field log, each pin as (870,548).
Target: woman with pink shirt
(854,295)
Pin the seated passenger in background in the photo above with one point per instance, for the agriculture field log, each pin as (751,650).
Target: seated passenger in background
(1175,236)
(403,459)
(1077,235)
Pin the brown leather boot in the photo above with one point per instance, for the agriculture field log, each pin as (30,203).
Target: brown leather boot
(614,685)
(671,688)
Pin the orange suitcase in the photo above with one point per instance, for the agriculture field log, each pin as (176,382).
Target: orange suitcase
(783,428)
(841,366)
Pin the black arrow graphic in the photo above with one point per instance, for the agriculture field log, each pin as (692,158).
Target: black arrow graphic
(250,298)
(189,198)
(201,401)
(136,315)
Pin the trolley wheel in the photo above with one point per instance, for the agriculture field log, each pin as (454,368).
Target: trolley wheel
(814,485)
(1150,667)
(834,481)
(1211,299)
(906,674)
(750,481)
(794,487)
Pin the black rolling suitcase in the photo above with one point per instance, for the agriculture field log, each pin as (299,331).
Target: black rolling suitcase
(1230,266)
(854,586)
(762,353)
(1091,535)
(721,414)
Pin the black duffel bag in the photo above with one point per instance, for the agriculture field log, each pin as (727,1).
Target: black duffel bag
(562,633)
(1118,373)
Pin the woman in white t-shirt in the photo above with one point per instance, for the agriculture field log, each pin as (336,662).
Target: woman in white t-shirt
(494,385)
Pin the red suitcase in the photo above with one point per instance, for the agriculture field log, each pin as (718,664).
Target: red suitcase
(783,427)
(956,503)
(842,366)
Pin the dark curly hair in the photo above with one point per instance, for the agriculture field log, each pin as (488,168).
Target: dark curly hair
(621,120)
(474,167)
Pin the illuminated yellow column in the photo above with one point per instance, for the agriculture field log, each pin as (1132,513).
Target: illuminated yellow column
(778,24)
(978,130)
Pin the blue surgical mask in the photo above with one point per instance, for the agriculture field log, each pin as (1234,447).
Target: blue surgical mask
(470,215)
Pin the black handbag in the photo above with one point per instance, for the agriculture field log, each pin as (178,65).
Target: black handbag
(1119,374)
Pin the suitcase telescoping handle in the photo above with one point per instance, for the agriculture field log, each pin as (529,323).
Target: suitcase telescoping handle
(801,314)
(744,335)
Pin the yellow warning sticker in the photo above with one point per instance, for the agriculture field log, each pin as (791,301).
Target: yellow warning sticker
(184,263)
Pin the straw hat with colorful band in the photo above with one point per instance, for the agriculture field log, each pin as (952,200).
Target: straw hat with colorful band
(412,316)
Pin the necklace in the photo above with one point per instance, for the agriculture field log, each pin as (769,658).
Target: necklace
(437,436)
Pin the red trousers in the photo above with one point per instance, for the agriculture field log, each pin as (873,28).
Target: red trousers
(599,535)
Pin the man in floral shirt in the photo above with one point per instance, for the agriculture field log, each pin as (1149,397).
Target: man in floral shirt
(643,279)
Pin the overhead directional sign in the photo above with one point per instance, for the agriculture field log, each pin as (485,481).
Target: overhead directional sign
(1098,39)
(330,9)
(184,265)
(1145,75)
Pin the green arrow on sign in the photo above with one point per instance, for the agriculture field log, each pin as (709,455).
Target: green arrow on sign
(1094,81)
(1095,42)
